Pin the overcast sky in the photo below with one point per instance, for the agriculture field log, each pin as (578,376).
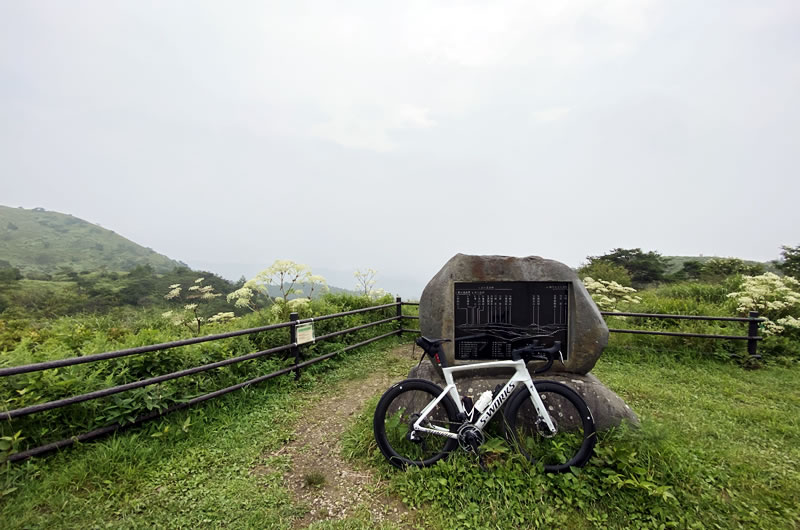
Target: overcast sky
(393,135)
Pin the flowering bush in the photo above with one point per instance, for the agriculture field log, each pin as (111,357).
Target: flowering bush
(243,297)
(289,277)
(281,309)
(608,294)
(365,284)
(775,298)
(189,315)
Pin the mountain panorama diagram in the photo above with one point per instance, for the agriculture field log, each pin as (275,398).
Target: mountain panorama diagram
(488,315)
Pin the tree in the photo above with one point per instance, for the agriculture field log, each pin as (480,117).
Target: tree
(644,267)
(139,283)
(604,270)
(287,276)
(718,268)
(365,283)
(791,261)
(365,280)
(190,314)
(692,269)
(9,273)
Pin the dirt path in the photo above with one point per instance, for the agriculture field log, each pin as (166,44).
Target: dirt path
(319,477)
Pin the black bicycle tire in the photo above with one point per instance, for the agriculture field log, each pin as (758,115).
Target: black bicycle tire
(586,449)
(379,422)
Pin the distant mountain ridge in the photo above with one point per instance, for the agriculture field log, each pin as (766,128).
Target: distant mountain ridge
(42,241)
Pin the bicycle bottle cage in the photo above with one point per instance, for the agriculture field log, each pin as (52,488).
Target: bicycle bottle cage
(434,349)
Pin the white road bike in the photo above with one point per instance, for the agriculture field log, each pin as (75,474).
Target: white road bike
(418,423)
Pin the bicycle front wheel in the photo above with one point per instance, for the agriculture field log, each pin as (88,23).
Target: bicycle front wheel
(395,415)
(572,442)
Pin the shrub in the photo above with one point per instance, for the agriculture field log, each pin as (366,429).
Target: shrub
(719,268)
(608,294)
(606,270)
(70,336)
(776,299)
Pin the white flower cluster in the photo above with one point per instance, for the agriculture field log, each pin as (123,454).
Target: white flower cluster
(222,317)
(189,316)
(298,302)
(176,318)
(284,274)
(174,291)
(776,298)
(377,293)
(608,294)
(280,308)
(207,293)
(242,297)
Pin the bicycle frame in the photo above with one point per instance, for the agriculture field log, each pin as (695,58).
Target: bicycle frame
(521,375)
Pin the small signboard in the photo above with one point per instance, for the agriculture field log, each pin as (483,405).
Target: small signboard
(305,333)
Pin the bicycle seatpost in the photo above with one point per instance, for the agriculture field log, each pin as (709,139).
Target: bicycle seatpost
(434,349)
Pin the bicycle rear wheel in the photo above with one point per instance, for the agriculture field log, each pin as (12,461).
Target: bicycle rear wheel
(572,443)
(394,418)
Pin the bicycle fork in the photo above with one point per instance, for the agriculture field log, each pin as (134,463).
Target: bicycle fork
(520,377)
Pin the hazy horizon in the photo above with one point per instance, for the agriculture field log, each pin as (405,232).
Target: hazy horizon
(407,287)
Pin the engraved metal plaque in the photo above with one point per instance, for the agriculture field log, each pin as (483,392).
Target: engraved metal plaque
(489,315)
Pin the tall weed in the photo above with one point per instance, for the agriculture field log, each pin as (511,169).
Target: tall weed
(76,336)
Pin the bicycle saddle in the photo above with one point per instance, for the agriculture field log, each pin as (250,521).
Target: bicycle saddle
(432,347)
(427,344)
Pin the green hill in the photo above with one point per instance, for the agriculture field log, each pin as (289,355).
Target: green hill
(41,241)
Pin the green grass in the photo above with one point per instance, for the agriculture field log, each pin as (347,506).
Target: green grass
(83,335)
(719,447)
(213,472)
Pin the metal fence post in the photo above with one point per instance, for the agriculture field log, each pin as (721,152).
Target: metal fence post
(752,332)
(294,317)
(399,315)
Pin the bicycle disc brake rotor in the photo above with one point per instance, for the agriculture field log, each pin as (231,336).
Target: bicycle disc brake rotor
(470,437)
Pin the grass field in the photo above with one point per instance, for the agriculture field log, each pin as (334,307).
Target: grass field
(193,469)
(719,447)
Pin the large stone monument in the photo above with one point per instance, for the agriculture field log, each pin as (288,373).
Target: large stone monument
(475,292)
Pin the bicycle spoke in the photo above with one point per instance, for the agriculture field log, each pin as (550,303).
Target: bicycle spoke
(573,439)
(395,419)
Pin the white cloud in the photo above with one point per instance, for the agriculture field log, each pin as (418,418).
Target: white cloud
(110,108)
(371,128)
(370,76)
(551,114)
